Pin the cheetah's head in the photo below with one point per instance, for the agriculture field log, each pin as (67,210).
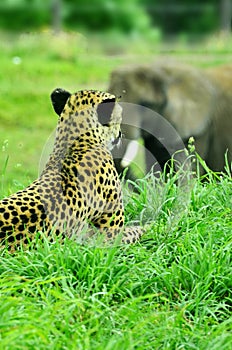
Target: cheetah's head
(89,111)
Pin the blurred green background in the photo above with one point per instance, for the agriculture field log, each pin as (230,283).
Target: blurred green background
(75,44)
(170,17)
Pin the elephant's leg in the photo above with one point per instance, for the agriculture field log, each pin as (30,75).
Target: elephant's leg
(156,154)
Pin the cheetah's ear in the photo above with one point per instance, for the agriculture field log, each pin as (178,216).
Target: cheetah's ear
(59,98)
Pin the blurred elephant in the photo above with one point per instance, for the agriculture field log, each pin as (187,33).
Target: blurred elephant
(196,102)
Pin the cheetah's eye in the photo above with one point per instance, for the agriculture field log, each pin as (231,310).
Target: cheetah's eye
(104,110)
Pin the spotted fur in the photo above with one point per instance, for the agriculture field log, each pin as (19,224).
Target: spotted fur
(79,186)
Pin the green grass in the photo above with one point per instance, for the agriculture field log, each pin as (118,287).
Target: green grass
(172,290)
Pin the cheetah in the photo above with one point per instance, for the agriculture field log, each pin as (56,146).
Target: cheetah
(79,186)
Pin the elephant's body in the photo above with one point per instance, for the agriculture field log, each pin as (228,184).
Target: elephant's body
(195,102)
